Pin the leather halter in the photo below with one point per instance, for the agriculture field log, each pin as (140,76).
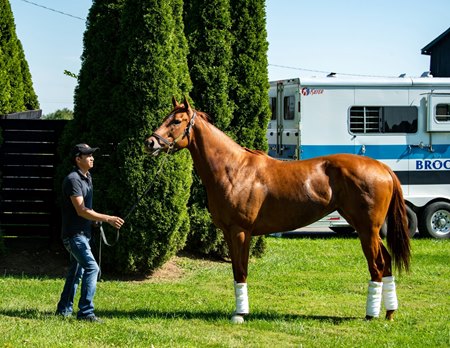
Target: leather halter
(186,132)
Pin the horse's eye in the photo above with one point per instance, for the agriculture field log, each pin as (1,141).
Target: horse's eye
(176,121)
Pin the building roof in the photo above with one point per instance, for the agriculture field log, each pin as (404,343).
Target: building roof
(428,48)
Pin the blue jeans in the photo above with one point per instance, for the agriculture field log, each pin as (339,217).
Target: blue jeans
(82,267)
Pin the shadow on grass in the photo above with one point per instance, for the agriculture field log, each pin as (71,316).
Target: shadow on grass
(218,315)
(318,235)
(31,313)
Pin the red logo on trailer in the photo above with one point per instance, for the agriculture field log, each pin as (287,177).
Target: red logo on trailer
(311,91)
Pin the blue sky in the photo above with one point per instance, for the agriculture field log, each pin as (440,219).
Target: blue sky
(373,38)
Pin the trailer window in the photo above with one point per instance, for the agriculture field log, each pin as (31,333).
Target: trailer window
(383,119)
(273,108)
(443,112)
(289,107)
(365,119)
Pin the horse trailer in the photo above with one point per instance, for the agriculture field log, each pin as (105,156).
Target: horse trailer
(403,122)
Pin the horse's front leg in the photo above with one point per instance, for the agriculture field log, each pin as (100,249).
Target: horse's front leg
(239,244)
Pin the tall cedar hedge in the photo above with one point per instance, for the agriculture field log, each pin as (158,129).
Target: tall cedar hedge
(16,87)
(228,67)
(250,93)
(134,60)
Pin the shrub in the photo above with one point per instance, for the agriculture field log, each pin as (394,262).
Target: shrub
(16,87)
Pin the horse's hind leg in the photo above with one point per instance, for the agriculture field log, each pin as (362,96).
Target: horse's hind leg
(372,248)
(382,283)
(389,294)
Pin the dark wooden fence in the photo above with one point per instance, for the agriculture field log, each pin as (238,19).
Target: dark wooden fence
(28,159)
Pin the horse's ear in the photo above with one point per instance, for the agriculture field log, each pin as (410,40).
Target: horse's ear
(186,103)
(174,102)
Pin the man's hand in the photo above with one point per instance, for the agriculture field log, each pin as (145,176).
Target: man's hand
(115,221)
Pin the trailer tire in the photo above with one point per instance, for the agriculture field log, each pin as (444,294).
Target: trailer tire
(412,224)
(383,230)
(343,231)
(435,220)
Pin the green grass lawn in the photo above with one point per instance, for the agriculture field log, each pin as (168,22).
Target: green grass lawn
(303,293)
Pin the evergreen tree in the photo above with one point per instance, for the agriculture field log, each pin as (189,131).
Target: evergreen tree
(98,77)
(208,30)
(250,93)
(61,114)
(134,61)
(30,101)
(16,90)
(5,87)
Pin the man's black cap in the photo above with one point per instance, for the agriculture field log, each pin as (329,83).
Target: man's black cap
(83,149)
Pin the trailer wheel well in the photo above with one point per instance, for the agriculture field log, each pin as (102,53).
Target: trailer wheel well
(419,210)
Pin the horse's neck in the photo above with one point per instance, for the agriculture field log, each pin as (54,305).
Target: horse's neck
(212,150)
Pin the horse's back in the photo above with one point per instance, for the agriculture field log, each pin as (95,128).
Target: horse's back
(358,168)
(349,173)
(334,181)
(346,164)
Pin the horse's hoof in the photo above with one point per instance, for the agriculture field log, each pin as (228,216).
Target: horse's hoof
(237,319)
(390,315)
(369,317)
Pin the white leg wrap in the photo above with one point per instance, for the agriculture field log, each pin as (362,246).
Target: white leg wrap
(389,294)
(373,304)
(240,292)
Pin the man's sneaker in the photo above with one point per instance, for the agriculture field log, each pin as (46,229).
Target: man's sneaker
(64,315)
(91,318)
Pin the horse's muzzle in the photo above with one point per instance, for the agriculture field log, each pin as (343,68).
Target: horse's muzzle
(152,146)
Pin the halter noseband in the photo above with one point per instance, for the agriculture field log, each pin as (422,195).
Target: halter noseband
(186,132)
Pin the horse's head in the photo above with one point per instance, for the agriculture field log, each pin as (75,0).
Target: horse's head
(175,131)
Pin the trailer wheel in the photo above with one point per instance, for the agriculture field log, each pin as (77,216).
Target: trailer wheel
(383,230)
(343,231)
(435,220)
(412,224)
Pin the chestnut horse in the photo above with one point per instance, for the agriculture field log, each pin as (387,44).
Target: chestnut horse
(251,194)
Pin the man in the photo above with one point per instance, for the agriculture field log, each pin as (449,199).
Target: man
(77,220)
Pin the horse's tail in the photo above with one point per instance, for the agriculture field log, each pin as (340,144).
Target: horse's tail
(397,225)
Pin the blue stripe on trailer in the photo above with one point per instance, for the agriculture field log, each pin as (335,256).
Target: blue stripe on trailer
(380,152)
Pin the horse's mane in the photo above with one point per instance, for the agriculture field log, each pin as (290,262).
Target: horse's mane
(205,116)
(255,152)
(208,119)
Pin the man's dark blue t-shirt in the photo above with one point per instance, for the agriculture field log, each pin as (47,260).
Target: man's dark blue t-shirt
(76,184)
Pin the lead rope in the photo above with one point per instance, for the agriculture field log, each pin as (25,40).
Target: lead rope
(102,232)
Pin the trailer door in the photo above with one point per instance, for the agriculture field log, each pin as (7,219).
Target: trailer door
(438,115)
(283,132)
(429,159)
